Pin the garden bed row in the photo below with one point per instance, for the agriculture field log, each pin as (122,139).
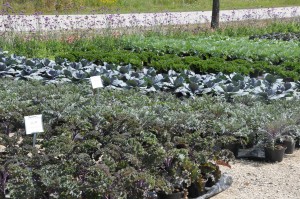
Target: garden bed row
(201,63)
(120,143)
(185,83)
(274,51)
(124,144)
(278,36)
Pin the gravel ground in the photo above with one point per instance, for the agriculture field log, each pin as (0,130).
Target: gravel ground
(261,180)
(33,23)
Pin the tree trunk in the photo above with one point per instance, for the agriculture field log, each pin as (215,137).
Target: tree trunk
(215,14)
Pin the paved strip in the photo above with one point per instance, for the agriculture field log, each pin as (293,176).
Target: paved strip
(33,23)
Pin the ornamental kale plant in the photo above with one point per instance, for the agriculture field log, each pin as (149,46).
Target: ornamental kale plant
(127,146)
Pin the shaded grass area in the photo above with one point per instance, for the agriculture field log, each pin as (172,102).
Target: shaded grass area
(127,6)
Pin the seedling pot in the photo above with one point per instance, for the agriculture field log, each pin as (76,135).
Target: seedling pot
(297,144)
(177,195)
(274,154)
(195,191)
(290,146)
(233,147)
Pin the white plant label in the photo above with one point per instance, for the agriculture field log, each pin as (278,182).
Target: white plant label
(34,124)
(96,82)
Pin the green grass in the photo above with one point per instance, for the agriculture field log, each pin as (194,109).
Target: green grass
(127,6)
(51,45)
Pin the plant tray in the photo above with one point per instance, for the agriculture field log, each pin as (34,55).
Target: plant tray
(255,153)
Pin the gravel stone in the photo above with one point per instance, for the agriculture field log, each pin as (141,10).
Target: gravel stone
(262,180)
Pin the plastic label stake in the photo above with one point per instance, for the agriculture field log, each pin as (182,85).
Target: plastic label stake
(34,125)
(96,83)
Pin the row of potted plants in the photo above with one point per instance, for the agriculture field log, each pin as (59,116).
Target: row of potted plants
(276,138)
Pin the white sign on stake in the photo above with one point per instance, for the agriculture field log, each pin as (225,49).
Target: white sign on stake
(33,124)
(96,82)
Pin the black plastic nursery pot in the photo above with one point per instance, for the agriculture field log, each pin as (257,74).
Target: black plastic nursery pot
(274,154)
(195,191)
(297,143)
(290,146)
(177,195)
(233,147)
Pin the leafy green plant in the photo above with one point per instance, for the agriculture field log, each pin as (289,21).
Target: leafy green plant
(128,145)
(273,131)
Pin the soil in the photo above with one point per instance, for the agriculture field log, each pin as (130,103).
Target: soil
(262,180)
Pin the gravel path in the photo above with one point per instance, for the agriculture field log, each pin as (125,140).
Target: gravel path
(261,180)
(44,23)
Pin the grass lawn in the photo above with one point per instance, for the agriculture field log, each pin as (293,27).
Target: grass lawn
(127,6)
